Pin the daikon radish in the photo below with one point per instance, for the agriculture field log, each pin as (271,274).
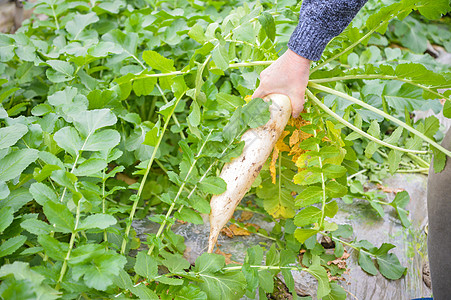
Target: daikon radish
(240,173)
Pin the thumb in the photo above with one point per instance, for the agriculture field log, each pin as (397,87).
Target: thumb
(297,105)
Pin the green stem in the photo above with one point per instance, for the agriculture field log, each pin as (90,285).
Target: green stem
(105,235)
(359,131)
(419,160)
(71,246)
(235,268)
(143,181)
(54,16)
(379,112)
(171,208)
(174,117)
(323,186)
(378,76)
(419,170)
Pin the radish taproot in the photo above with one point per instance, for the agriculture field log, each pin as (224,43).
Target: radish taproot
(240,173)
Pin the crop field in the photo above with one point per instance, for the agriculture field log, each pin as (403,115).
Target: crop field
(122,110)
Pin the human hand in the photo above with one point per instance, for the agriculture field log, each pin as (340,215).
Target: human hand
(288,75)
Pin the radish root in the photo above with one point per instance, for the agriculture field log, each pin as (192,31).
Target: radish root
(240,173)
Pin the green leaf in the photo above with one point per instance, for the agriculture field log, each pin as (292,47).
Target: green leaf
(197,33)
(367,263)
(146,266)
(439,160)
(323,280)
(7,46)
(99,99)
(268,24)
(11,245)
(191,292)
(53,248)
(16,199)
(100,272)
(6,217)
(101,221)
(13,164)
(68,139)
(11,134)
(213,185)
(335,190)
(390,267)
(277,202)
(152,136)
(394,158)
(176,263)
(229,102)
(158,62)
(336,293)
(256,113)
(4,190)
(401,199)
(90,167)
(102,140)
(60,216)
(303,234)
(80,22)
(230,285)
(307,216)
(42,193)
(21,270)
(170,281)
(195,115)
(209,263)
(221,57)
(310,195)
(144,86)
(87,122)
(61,71)
(333,171)
(143,292)
(189,215)
(266,280)
(246,32)
(433,9)
(36,227)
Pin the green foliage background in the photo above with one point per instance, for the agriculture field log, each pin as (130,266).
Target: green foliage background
(154,90)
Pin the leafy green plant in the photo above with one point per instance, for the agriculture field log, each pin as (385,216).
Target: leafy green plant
(118,110)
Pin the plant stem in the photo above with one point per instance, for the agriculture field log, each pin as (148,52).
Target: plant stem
(143,181)
(71,246)
(235,268)
(174,117)
(323,186)
(359,131)
(419,160)
(171,208)
(379,112)
(378,76)
(419,170)
(54,17)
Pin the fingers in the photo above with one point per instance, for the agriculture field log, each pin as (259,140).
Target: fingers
(259,93)
(297,105)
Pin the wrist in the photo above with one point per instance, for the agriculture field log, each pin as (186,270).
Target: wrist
(297,59)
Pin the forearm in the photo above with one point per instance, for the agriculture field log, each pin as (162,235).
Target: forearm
(319,22)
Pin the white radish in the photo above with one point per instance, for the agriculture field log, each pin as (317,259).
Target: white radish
(240,173)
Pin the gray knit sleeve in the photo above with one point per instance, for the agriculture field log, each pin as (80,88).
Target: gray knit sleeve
(319,22)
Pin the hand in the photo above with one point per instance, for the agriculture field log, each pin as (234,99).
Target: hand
(288,75)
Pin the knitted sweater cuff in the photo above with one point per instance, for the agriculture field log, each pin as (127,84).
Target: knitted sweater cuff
(308,41)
